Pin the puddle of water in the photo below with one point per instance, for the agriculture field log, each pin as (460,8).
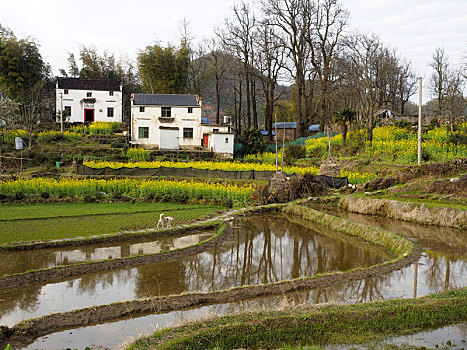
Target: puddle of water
(455,334)
(20,261)
(262,249)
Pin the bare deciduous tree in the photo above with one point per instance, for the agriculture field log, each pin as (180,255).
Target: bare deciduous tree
(292,21)
(237,39)
(268,63)
(439,77)
(327,22)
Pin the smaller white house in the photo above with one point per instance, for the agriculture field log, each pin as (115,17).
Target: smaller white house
(89,100)
(173,122)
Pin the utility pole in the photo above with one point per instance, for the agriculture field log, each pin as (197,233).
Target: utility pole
(419,120)
(61,112)
(275,116)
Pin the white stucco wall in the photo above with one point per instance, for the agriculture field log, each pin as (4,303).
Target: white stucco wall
(222,143)
(181,119)
(74,99)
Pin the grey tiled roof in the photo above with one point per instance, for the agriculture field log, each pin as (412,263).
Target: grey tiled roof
(288,125)
(88,84)
(165,100)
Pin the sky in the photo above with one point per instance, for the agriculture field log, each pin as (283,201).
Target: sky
(414,27)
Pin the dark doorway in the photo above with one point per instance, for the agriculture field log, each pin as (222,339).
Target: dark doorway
(89,115)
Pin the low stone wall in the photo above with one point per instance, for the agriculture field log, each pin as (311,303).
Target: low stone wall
(419,213)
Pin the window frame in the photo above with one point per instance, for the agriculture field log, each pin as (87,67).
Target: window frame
(166,112)
(88,94)
(141,109)
(110,109)
(190,110)
(111,93)
(65,91)
(144,131)
(67,110)
(188,133)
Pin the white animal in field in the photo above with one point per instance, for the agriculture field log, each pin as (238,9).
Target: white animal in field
(165,221)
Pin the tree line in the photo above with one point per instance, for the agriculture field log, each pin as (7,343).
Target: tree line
(297,59)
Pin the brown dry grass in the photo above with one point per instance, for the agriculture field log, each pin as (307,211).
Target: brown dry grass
(406,211)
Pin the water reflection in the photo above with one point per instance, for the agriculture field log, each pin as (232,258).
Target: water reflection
(21,261)
(289,249)
(262,249)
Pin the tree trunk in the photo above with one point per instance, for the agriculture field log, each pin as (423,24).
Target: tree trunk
(253,104)
(344,133)
(247,93)
(218,100)
(240,107)
(370,133)
(271,109)
(298,108)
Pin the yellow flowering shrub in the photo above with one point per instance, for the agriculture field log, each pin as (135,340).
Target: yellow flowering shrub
(69,187)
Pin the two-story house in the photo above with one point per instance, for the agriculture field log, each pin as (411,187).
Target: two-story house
(88,100)
(173,122)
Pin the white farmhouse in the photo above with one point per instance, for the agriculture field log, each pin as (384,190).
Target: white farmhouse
(89,100)
(173,122)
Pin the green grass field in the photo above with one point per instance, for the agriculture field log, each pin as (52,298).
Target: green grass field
(69,220)
(53,210)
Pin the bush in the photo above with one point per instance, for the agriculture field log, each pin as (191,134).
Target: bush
(226,202)
(45,194)
(252,141)
(88,198)
(404,124)
(180,197)
(137,154)
(116,195)
(118,145)
(293,152)
(19,195)
(458,138)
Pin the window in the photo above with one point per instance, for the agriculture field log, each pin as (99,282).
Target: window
(190,109)
(65,91)
(88,94)
(67,111)
(110,112)
(141,109)
(111,93)
(215,130)
(166,112)
(187,133)
(143,132)
(226,140)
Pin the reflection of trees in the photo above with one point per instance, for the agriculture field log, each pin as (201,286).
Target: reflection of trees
(16,262)
(359,291)
(255,254)
(25,298)
(91,283)
(441,273)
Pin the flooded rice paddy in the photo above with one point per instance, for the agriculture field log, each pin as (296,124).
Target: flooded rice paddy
(20,261)
(265,248)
